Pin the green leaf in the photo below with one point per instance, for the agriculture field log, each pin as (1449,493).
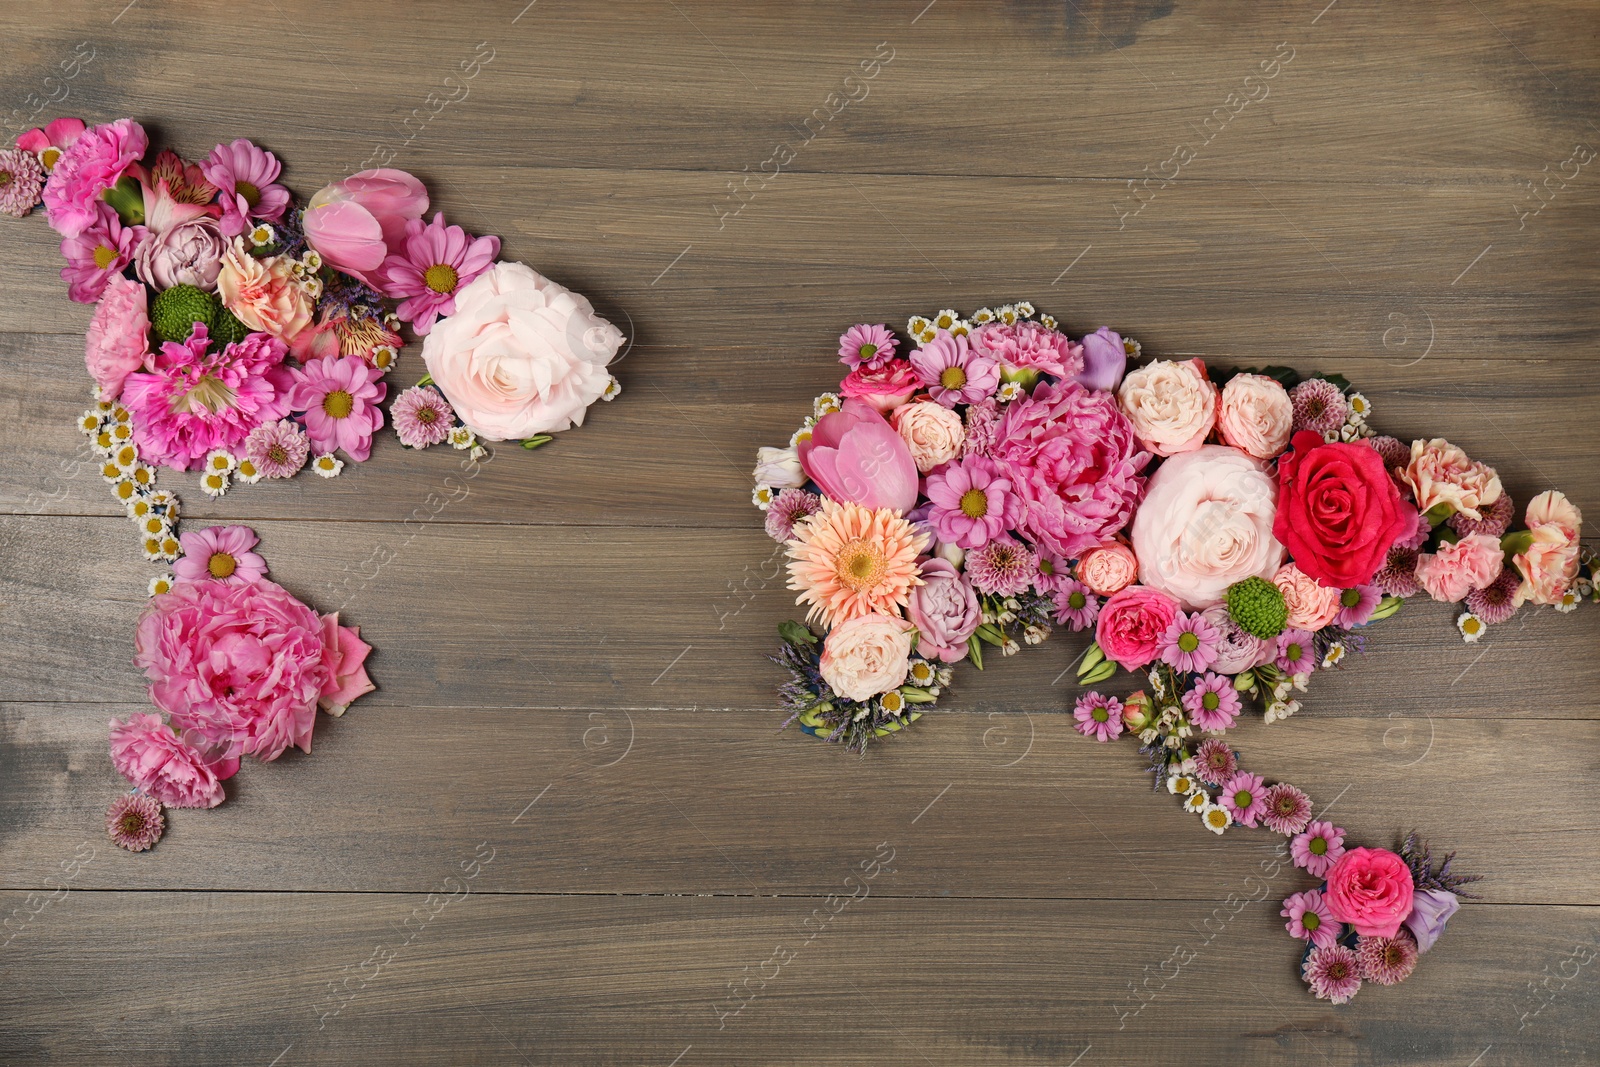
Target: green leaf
(1438,513)
(975,652)
(1103,670)
(796,634)
(1386,607)
(537,440)
(1337,379)
(427,379)
(1245,681)
(914,695)
(990,633)
(127,200)
(1515,544)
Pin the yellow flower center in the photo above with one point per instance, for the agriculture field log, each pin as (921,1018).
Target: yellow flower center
(338,404)
(1318,846)
(252,195)
(441,278)
(1310,920)
(1293,652)
(49,156)
(221,565)
(974,503)
(209,394)
(952,378)
(1210,701)
(104,256)
(861,565)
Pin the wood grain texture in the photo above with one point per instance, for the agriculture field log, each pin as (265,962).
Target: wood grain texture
(570,643)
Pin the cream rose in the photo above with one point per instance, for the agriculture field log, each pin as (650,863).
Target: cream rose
(1171,405)
(1206,522)
(263,294)
(521,355)
(1311,605)
(1550,562)
(1255,415)
(1441,473)
(933,432)
(1108,568)
(866,656)
(779,468)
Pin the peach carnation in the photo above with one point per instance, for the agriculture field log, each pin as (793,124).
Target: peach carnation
(1455,570)
(1550,562)
(848,560)
(1441,473)
(1311,605)
(263,293)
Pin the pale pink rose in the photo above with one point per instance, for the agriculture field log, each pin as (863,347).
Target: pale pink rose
(189,253)
(1255,415)
(521,355)
(932,432)
(945,610)
(1108,568)
(118,341)
(1550,563)
(1172,406)
(1441,473)
(866,656)
(1454,570)
(347,670)
(263,293)
(1206,523)
(1311,605)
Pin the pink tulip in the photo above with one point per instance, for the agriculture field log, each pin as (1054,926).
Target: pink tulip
(356,223)
(856,456)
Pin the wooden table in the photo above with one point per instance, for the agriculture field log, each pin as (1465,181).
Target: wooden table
(573,698)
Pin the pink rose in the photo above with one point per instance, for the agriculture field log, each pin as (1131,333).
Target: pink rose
(264,293)
(357,223)
(1453,571)
(932,432)
(118,341)
(855,456)
(1441,473)
(866,656)
(347,671)
(521,355)
(148,754)
(1311,605)
(1206,523)
(189,253)
(945,610)
(1255,415)
(885,387)
(1108,568)
(1371,889)
(1131,623)
(1550,562)
(1172,406)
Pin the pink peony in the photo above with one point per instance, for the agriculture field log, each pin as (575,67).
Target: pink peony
(97,253)
(94,162)
(866,656)
(1029,346)
(1171,406)
(972,502)
(189,253)
(118,342)
(1439,473)
(1311,605)
(1132,623)
(264,293)
(221,554)
(1255,415)
(1549,563)
(932,432)
(854,456)
(867,346)
(885,387)
(50,142)
(1370,888)
(340,398)
(1454,570)
(357,223)
(245,177)
(952,372)
(1108,568)
(945,611)
(1071,454)
(347,666)
(1105,360)
(431,267)
(147,753)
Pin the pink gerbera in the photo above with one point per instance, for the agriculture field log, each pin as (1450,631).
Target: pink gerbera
(219,553)
(973,502)
(867,346)
(340,397)
(21,182)
(1332,973)
(435,262)
(953,373)
(1357,605)
(278,449)
(1317,848)
(1214,762)
(1296,654)
(1212,702)
(1003,567)
(1190,643)
(1310,920)
(245,177)
(422,417)
(96,254)
(1099,717)
(1387,960)
(93,163)
(134,821)
(1245,798)
(1288,809)
(1076,605)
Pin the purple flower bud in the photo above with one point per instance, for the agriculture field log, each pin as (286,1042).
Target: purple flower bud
(1430,910)
(1104,360)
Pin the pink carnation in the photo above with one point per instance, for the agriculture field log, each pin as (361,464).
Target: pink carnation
(93,163)
(340,398)
(1452,571)
(147,753)
(1029,346)
(1132,623)
(118,341)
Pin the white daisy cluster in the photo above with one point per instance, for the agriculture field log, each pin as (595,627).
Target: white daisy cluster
(1196,799)
(109,427)
(1358,409)
(461,439)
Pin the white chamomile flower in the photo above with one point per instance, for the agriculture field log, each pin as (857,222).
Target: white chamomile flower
(1006,313)
(981,316)
(1216,818)
(826,404)
(1181,784)
(962,328)
(247,472)
(163,503)
(762,497)
(384,357)
(142,476)
(112,472)
(120,414)
(124,491)
(922,673)
(163,549)
(928,336)
(1048,322)
(221,461)
(214,483)
(1334,656)
(1133,348)
(139,508)
(263,235)
(161,583)
(893,702)
(121,432)
(916,325)
(1360,407)
(103,443)
(945,319)
(478,452)
(1008,392)
(1197,801)
(1568,602)
(311,260)
(91,422)
(800,435)
(154,526)
(328,465)
(612,390)
(1025,308)
(1471,627)
(126,457)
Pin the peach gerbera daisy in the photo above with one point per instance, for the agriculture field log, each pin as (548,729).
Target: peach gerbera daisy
(848,560)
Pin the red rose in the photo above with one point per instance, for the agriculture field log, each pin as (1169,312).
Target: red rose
(1371,889)
(1338,510)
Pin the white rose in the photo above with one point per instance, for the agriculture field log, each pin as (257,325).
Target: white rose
(866,656)
(1171,405)
(779,468)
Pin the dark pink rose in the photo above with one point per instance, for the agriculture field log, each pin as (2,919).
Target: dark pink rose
(1371,889)
(885,387)
(1131,623)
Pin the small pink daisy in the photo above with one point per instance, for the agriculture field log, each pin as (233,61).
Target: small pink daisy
(788,508)
(1497,601)
(867,346)
(1318,405)
(1387,960)
(1099,717)
(1190,643)
(340,397)
(278,449)
(435,263)
(1288,809)
(1332,973)
(1212,702)
(972,501)
(1317,848)
(1357,605)
(219,553)
(953,373)
(1296,653)
(245,176)
(422,417)
(1214,762)
(1076,605)
(1310,920)
(1244,797)
(134,821)
(97,254)
(1003,567)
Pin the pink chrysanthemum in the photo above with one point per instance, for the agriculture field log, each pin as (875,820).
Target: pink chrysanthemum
(1395,452)
(1418,535)
(1297,653)
(93,163)
(1332,973)
(1288,809)
(245,176)
(1387,960)
(1003,567)
(1190,643)
(1310,919)
(21,182)
(1319,406)
(1214,762)
(1497,601)
(953,373)
(1077,607)
(278,449)
(194,401)
(1357,605)
(867,346)
(788,508)
(972,502)
(1317,847)
(1099,717)
(96,254)
(134,822)
(431,267)
(1245,798)
(422,417)
(1496,518)
(1398,577)
(1212,702)
(339,396)
(221,554)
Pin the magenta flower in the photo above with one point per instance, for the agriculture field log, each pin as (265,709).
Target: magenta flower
(972,502)
(278,449)
(339,396)
(1190,643)
(422,417)
(1332,973)
(867,346)
(147,753)
(1003,567)
(219,553)
(134,821)
(1310,920)
(1099,717)
(245,177)
(1357,605)
(96,254)
(1288,809)
(434,262)
(1212,702)
(93,163)
(1076,605)
(1296,652)
(1214,762)
(856,457)
(1245,798)
(952,372)
(1317,848)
